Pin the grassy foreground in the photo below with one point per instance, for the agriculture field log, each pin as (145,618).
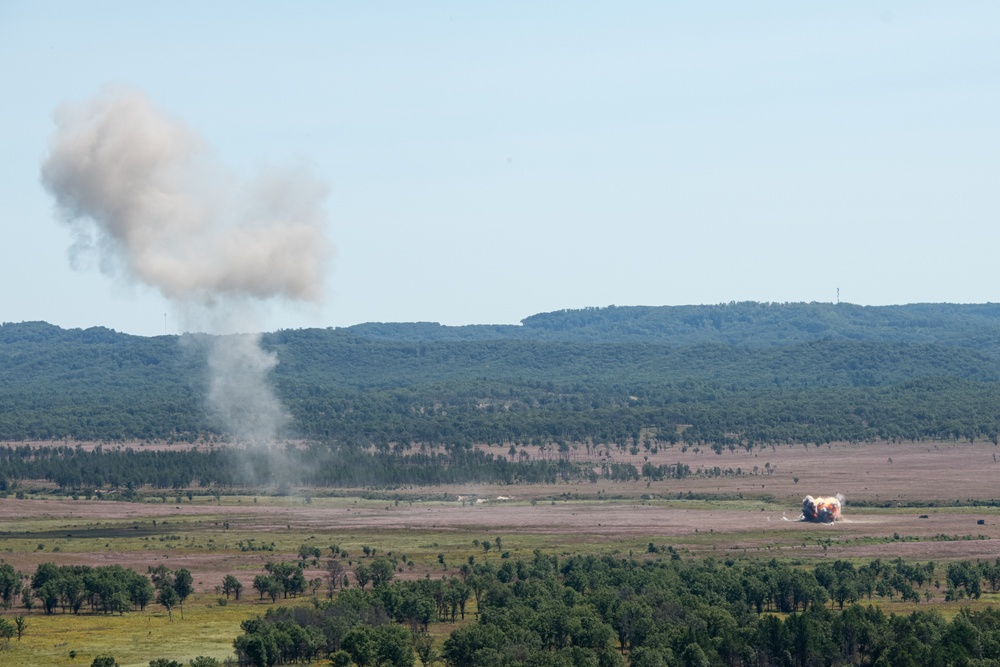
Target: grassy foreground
(134,638)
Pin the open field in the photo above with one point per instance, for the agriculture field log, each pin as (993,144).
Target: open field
(752,514)
(878,471)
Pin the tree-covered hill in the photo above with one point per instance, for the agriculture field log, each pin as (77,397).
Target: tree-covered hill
(735,373)
(744,323)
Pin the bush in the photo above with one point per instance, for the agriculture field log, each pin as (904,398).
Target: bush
(340,659)
(203,661)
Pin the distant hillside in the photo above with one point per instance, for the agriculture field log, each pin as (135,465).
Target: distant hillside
(733,374)
(745,323)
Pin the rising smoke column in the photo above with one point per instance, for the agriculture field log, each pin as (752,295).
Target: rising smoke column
(145,193)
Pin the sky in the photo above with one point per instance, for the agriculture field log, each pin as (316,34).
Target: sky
(483,162)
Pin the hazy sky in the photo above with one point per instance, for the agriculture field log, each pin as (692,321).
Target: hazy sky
(488,161)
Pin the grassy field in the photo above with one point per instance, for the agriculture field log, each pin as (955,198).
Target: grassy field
(133,638)
(922,501)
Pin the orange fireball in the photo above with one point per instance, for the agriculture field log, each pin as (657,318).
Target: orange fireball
(821,510)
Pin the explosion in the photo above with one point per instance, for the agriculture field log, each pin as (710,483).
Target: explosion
(821,510)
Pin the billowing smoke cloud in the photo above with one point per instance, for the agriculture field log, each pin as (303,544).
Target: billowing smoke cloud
(822,510)
(146,194)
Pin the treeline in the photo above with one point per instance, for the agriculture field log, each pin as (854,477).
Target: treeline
(74,469)
(604,612)
(745,323)
(737,374)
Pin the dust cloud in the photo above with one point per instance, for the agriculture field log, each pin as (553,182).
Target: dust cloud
(145,195)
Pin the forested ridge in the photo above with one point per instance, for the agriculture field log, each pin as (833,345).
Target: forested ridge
(742,373)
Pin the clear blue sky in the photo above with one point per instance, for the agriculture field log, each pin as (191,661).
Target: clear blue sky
(487,161)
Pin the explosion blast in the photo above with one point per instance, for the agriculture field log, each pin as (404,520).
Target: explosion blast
(822,510)
(143,191)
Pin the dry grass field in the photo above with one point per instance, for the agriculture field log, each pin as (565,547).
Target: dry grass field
(923,501)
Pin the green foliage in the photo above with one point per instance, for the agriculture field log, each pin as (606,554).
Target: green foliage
(169,599)
(183,584)
(734,375)
(265,584)
(232,586)
(382,570)
(589,610)
(204,661)
(10,585)
(288,578)
(106,589)
(340,659)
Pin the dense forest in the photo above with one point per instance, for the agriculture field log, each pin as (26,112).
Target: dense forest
(740,374)
(588,611)
(576,611)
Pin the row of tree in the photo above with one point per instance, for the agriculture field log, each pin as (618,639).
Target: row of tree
(76,470)
(105,589)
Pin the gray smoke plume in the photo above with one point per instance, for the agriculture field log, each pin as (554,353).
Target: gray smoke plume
(237,390)
(144,192)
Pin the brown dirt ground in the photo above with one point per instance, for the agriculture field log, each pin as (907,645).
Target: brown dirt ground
(870,471)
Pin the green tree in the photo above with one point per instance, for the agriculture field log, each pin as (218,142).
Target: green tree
(289,576)
(381,571)
(359,642)
(307,552)
(393,647)
(140,590)
(265,584)
(48,594)
(423,644)
(10,585)
(340,659)
(161,576)
(168,598)
(694,656)
(256,649)
(232,586)
(362,574)
(183,586)
(463,645)
(27,598)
